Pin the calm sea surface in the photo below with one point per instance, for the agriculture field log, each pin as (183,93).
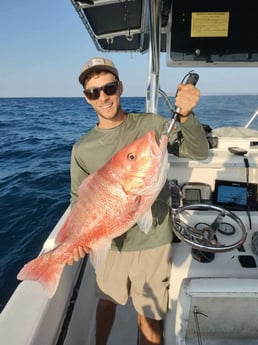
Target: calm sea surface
(36,137)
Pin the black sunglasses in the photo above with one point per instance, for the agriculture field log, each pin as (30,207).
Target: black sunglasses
(109,89)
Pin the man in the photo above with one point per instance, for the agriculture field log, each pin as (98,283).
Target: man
(138,265)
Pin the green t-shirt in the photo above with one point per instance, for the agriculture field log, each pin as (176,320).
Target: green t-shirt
(96,147)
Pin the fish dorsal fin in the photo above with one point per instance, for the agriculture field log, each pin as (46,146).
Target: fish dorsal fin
(61,236)
(85,183)
(145,222)
(97,255)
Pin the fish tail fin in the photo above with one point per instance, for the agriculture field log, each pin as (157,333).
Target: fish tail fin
(40,269)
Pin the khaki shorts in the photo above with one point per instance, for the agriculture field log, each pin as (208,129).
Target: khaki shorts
(142,275)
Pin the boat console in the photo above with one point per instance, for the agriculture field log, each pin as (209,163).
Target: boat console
(214,271)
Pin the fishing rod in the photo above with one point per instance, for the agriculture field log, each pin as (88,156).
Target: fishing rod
(192,78)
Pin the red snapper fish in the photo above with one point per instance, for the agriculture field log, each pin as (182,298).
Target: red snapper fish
(110,202)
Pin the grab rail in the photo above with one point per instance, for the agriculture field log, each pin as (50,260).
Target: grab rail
(252,118)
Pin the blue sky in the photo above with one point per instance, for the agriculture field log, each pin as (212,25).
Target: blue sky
(43,45)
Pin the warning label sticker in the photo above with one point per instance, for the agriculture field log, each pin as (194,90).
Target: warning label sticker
(209,24)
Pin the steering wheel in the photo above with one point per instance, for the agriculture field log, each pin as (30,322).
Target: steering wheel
(205,239)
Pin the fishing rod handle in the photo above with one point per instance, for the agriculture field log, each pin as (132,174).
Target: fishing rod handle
(191,79)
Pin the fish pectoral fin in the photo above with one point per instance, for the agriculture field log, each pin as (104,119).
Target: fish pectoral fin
(145,222)
(98,254)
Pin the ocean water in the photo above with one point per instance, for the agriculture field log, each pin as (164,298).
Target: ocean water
(36,137)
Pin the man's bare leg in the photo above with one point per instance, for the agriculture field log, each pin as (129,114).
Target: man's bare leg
(105,316)
(151,331)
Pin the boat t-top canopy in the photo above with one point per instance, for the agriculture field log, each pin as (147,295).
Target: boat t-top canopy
(192,33)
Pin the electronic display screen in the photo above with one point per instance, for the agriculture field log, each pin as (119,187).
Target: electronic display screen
(193,195)
(232,195)
(236,195)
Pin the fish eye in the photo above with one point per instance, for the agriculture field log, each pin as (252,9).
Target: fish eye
(130,156)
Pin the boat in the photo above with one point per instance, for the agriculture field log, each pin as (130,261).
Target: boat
(214,278)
